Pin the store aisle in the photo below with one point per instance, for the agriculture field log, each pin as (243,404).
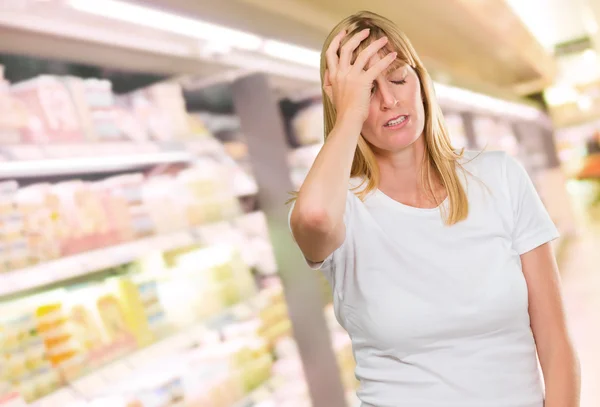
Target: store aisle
(580,269)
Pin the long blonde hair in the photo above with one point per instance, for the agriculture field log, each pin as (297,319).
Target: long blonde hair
(440,158)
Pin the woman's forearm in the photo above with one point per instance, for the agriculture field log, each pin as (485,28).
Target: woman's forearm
(562,377)
(324,190)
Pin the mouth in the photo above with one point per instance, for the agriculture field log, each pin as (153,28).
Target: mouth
(397,121)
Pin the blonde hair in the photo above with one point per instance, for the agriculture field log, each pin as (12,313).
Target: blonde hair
(440,157)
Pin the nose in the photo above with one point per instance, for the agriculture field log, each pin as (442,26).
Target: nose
(388,101)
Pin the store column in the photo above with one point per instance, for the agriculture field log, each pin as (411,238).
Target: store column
(470,134)
(263,127)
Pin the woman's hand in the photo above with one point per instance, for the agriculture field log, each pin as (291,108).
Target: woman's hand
(347,85)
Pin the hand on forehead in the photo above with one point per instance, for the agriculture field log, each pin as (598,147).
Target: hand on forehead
(397,65)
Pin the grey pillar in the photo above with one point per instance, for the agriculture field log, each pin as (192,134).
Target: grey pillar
(263,128)
(469,127)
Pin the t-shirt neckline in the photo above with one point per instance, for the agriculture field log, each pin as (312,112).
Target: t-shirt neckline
(410,209)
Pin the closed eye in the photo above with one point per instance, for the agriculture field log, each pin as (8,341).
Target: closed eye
(400,82)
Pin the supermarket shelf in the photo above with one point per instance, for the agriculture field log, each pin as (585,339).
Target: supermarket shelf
(66,268)
(89,385)
(31,161)
(56,31)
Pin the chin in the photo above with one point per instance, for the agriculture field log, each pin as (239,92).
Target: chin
(397,142)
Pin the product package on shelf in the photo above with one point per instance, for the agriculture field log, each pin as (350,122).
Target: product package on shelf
(13,114)
(85,216)
(203,282)
(53,115)
(14,246)
(213,183)
(53,327)
(142,309)
(161,109)
(102,109)
(308,125)
(26,364)
(43,222)
(103,321)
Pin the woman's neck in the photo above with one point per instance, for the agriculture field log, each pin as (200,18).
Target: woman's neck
(401,177)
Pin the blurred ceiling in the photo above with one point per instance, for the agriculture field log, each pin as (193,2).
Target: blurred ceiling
(568,29)
(505,48)
(471,43)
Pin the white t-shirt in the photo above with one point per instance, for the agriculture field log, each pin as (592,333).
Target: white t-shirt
(438,315)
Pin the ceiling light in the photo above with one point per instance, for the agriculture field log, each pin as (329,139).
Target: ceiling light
(292,53)
(539,20)
(590,56)
(585,103)
(560,95)
(149,17)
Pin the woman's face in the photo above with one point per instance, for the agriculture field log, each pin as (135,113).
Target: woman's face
(396,114)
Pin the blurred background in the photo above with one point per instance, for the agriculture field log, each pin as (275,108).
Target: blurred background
(147,149)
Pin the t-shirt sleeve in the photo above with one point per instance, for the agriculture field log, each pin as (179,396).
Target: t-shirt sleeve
(326,265)
(532,225)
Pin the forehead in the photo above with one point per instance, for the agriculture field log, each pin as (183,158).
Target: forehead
(397,66)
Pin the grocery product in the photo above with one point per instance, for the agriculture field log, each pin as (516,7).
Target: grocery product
(53,327)
(102,109)
(26,364)
(43,226)
(13,114)
(141,308)
(308,125)
(54,118)
(84,328)
(160,108)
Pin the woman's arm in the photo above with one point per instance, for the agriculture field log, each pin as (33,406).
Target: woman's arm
(317,220)
(557,356)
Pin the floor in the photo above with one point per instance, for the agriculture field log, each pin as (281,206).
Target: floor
(580,270)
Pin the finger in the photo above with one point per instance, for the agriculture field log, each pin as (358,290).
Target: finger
(328,90)
(350,46)
(327,78)
(367,53)
(331,53)
(381,65)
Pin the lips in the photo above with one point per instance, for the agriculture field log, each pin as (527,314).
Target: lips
(396,121)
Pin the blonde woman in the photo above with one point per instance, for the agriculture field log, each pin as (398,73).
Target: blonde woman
(440,262)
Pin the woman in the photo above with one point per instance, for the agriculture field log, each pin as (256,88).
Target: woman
(440,262)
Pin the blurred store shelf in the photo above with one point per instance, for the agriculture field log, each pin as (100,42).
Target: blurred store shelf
(66,268)
(32,161)
(92,384)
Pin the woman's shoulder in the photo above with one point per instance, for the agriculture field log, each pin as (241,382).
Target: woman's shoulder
(485,163)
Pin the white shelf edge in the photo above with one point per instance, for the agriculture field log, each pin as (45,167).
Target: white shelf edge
(81,264)
(89,165)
